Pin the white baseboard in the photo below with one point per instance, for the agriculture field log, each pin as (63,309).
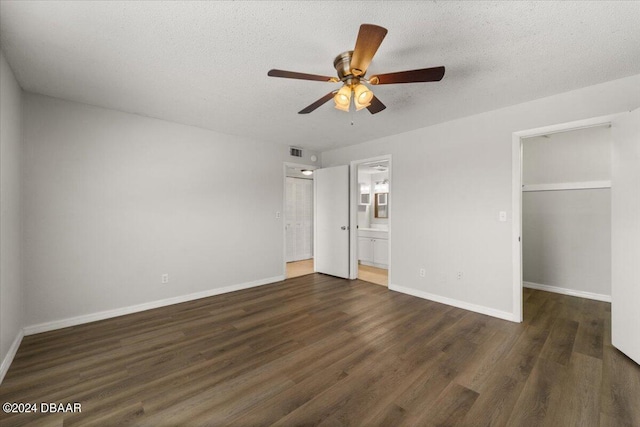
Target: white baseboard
(505,315)
(565,291)
(6,362)
(87,318)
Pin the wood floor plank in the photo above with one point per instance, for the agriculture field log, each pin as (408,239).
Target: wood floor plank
(487,355)
(496,399)
(590,336)
(317,350)
(578,406)
(378,276)
(559,346)
(449,408)
(542,387)
(299,268)
(620,392)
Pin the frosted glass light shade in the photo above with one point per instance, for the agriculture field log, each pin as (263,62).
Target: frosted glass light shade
(342,99)
(363,96)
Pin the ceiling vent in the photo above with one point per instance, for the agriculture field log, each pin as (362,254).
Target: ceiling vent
(295,152)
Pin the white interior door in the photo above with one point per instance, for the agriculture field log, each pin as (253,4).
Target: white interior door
(625,234)
(332,221)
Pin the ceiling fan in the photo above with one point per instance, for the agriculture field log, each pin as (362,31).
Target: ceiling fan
(352,67)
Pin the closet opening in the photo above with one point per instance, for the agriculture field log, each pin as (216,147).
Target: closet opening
(564,214)
(298,220)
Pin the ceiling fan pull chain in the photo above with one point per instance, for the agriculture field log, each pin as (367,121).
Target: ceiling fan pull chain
(351,112)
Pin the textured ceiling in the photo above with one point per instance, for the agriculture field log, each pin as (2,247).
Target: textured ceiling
(206,63)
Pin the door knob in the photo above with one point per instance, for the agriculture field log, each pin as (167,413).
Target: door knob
(344,227)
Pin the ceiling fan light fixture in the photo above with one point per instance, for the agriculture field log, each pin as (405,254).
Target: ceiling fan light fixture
(360,106)
(352,66)
(363,96)
(342,98)
(342,107)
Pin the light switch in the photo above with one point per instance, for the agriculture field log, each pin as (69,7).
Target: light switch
(503,216)
(277,214)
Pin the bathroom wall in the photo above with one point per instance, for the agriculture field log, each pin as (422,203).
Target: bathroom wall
(376,177)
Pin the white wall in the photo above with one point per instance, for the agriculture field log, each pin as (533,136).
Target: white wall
(566,239)
(114,200)
(11,283)
(577,155)
(451,180)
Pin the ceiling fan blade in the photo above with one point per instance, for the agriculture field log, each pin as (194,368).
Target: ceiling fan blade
(318,103)
(367,44)
(300,76)
(376,105)
(434,74)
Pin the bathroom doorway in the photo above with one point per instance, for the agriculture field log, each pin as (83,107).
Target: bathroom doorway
(372,182)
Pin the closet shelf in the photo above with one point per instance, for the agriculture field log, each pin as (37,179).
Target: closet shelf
(558,186)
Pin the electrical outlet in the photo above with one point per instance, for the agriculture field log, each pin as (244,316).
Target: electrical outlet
(459,276)
(165,278)
(502,216)
(423,272)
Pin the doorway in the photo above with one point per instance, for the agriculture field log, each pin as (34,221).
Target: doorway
(566,213)
(370,219)
(562,190)
(298,220)
(625,209)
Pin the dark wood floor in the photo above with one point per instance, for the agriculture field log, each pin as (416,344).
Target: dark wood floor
(316,350)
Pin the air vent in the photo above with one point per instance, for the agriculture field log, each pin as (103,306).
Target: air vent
(295,151)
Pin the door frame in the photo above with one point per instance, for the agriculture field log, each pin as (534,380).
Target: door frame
(516,188)
(285,165)
(353,213)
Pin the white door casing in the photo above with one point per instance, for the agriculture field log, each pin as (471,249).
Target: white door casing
(331,254)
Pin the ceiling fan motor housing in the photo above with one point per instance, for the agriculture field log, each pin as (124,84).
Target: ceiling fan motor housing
(342,64)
